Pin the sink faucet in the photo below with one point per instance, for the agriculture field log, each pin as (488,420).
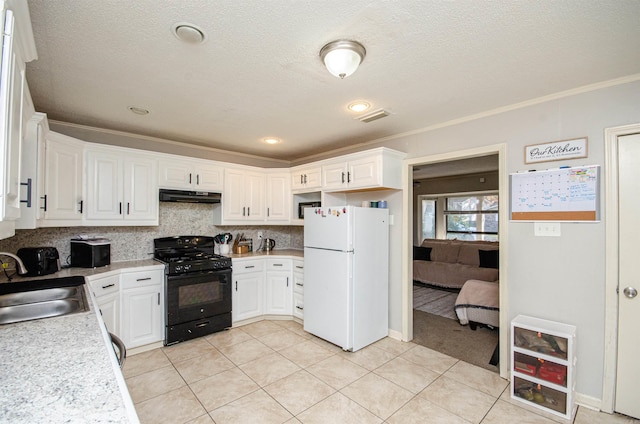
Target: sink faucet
(19,264)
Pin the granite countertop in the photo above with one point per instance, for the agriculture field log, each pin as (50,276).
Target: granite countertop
(299,253)
(63,369)
(88,272)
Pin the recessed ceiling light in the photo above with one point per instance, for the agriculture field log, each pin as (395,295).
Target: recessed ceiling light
(271,140)
(189,33)
(359,106)
(138,110)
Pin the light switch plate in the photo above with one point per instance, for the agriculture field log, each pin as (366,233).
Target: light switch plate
(546,229)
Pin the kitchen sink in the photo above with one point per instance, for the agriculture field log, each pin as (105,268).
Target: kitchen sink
(37,299)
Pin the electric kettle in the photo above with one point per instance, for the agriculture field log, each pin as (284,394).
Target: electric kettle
(269,244)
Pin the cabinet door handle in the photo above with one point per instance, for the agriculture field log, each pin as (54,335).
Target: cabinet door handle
(44,207)
(298,284)
(287,281)
(305,178)
(120,208)
(236,286)
(249,266)
(108,285)
(277,264)
(243,210)
(197,179)
(158,298)
(348,177)
(128,208)
(189,177)
(143,279)
(299,307)
(299,267)
(248,210)
(81,206)
(301,179)
(343,178)
(28,184)
(267,211)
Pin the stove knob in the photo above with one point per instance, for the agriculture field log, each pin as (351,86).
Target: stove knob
(178,268)
(187,267)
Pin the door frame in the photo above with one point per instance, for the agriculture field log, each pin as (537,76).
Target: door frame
(611,263)
(407,239)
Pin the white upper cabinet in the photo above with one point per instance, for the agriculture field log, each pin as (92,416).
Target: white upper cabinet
(377,168)
(121,187)
(278,197)
(181,173)
(62,201)
(305,178)
(244,196)
(32,181)
(18,47)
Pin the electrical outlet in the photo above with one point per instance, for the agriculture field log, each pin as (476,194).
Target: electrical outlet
(260,234)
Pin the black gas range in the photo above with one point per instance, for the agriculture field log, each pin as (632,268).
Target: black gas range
(197,287)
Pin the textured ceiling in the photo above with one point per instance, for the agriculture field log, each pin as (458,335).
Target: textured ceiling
(259,74)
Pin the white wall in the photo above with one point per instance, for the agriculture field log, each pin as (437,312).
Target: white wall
(557,278)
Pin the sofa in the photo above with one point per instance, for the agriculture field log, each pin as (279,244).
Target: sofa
(451,263)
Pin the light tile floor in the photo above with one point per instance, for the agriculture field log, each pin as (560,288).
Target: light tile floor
(275,372)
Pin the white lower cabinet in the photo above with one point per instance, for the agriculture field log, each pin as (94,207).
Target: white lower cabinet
(298,288)
(131,303)
(142,307)
(247,294)
(279,287)
(107,293)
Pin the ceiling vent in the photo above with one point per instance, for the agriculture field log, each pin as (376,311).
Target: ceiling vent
(376,114)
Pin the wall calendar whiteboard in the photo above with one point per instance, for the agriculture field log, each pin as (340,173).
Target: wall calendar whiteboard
(565,194)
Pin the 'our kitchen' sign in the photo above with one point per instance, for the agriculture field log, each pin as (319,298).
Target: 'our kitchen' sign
(557,150)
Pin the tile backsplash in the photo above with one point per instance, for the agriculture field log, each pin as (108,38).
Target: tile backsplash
(133,243)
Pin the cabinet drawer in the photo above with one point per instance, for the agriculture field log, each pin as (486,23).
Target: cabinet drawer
(142,278)
(298,305)
(105,286)
(278,264)
(250,265)
(298,265)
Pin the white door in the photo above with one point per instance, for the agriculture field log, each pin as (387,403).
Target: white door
(104,185)
(141,316)
(327,294)
(208,177)
(628,373)
(140,189)
(278,197)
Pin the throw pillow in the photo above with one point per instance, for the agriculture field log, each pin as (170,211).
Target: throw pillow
(421,253)
(489,258)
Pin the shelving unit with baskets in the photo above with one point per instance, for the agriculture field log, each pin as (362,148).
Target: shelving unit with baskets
(543,365)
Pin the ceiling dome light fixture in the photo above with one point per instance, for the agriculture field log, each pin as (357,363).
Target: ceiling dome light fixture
(189,33)
(271,140)
(359,106)
(342,57)
(138,110)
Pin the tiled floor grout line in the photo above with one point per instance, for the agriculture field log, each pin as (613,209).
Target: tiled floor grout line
(364,362)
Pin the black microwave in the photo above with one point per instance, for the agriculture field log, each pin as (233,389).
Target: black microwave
(303,205)
(90,253)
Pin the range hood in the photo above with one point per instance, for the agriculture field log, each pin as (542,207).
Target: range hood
(189,196)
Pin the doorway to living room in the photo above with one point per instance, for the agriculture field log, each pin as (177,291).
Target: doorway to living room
(454,196)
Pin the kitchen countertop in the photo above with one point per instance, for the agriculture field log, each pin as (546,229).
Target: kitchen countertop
(63,369)
(273,253)
(88,272)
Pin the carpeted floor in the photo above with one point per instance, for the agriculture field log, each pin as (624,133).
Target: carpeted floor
(459,341)
(435,301)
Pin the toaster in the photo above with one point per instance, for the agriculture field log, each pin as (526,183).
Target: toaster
(40,260)
(90,252)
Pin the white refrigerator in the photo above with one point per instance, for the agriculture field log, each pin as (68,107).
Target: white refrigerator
(346,274)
